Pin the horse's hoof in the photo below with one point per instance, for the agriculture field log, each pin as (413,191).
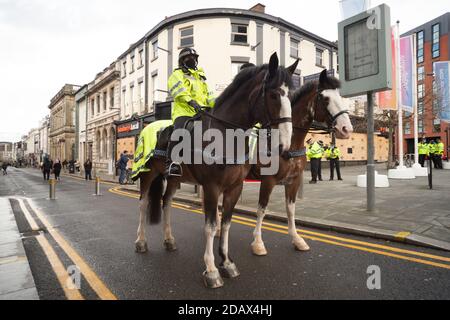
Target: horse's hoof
(141,247)
(259,249)
(170,245)
(229,271)
(212,280)
(301,245)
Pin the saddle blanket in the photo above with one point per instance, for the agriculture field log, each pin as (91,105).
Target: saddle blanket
(146,146)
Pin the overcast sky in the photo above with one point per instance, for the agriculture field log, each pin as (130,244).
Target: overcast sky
(47,43)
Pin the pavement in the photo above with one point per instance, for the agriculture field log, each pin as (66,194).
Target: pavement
(97,234)
(16,280)
(408,211)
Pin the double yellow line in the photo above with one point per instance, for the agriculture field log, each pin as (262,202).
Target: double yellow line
(58,267)
(393,252)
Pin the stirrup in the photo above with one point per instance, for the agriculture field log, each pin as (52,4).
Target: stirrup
(174,166)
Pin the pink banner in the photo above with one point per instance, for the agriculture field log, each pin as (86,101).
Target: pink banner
(387,100)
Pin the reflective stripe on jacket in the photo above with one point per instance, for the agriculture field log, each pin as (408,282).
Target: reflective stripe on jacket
(184,87)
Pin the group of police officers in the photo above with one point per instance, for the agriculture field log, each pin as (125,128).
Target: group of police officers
(433,149)
(316,151)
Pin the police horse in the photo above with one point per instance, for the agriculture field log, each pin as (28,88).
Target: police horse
(315,101)
(256,95)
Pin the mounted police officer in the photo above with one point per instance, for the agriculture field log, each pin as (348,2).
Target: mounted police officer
(187,85)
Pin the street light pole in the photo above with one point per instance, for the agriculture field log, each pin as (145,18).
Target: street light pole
(370,155)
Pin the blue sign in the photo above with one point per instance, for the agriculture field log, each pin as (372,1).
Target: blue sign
(442,76)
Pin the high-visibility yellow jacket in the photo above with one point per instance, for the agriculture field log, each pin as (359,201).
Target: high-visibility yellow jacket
(423,149)
(334,153)
(315,151)
(184,87)
(440,148)
(432,148)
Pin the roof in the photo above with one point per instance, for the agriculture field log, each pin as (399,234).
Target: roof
(228,12)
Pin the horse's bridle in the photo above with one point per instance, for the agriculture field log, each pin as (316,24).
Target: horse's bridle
(332,118)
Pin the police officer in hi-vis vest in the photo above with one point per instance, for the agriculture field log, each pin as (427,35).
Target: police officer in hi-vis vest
(187,85)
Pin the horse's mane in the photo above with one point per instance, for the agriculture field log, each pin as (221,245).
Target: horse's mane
(247,74)
(331,83)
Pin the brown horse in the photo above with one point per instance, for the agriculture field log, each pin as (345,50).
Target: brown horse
(319,101)
(256,95)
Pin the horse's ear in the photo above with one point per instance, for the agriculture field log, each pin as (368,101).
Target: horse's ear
(323,77)
(273,65)
(292,68)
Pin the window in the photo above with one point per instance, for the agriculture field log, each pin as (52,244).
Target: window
(420,73)
(132,100)
(407,128)
(420,91)
(420,126)
(124,95)
(296,80)
(92,107)
(437,125)
(235,68)
(435,48)
(124,69)
(111,97)
(420,42)
(98,104)
(105,99)
(187,37)
(154,88)
(294,48)
(132,64)
(140,100)
(238,33)
(420,107)
(155,49)
(350,150)
(141,58)
(319,57)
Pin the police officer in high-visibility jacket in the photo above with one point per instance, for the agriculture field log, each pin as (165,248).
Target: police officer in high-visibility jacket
(314,154)
(433,153)
(439,153)
(423,152)
(187,85)
(334,154)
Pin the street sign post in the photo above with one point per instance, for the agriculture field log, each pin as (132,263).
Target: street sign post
(365,56)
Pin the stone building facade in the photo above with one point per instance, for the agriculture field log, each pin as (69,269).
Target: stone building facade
(103,108)
(62,123)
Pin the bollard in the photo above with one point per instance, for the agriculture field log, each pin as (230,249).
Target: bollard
(52,190)
(97,186)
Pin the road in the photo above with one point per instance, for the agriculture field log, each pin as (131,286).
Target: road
(97,234)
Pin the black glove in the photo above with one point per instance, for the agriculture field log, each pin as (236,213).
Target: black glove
(195,105)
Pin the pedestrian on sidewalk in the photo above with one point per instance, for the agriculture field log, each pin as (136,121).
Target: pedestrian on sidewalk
(123,161)
(57,169)
(88,169)
(64,164)
(5,167)
(46,167)
(439,153)
(334,154)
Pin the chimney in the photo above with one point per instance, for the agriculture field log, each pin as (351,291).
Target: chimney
(258,8)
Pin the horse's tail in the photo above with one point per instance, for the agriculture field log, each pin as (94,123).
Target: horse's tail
(155,195)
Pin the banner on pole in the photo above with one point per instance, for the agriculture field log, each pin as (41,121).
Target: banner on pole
(387,100)
(442,77)
(406,72)
(350,8)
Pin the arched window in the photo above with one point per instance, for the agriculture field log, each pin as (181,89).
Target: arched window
(105,145)
(112,140)
(98,141)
